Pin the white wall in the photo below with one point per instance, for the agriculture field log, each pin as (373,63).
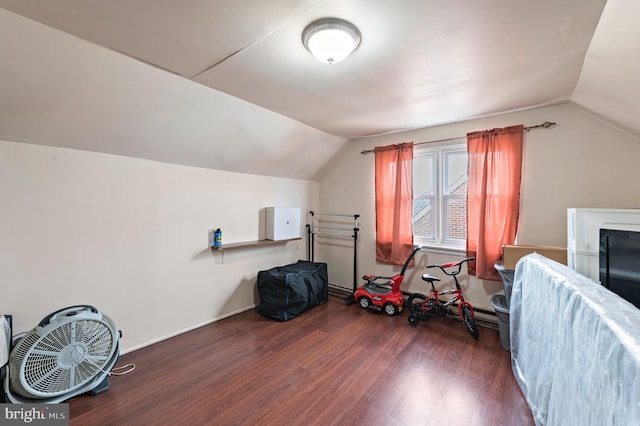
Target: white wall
(581,162)
(129,236)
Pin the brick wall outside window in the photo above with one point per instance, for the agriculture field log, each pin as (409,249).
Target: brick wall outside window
(422,226)
(457,214)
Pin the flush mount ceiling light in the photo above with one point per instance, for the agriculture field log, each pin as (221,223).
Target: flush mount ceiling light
(331,40)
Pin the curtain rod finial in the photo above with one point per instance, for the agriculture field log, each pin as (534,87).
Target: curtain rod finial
(544,125)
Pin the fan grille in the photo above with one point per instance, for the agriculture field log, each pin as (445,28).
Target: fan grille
(64,359)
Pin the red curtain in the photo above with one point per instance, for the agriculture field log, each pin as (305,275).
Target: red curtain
(394,202)
(493,195)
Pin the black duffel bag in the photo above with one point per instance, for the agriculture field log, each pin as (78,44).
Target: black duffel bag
(287,291)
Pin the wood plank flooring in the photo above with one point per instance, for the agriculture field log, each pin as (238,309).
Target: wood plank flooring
(333,365)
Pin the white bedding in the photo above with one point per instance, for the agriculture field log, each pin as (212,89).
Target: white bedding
(575,347)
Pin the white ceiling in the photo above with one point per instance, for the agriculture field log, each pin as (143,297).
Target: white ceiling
(421,63)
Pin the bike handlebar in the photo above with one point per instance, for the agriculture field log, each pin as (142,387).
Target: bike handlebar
(457,263)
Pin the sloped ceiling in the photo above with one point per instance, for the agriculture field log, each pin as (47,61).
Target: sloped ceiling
(59,90)
(609,85)
(229,85)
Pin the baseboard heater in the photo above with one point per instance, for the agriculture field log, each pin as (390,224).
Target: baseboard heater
(339,292)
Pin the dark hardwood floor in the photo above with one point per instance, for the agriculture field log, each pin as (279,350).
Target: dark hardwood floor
(333,365)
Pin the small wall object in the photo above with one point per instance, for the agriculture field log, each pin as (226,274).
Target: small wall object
(282,223)
(215,237)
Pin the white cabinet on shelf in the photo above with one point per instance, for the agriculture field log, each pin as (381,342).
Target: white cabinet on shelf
(583,235)
(282,223)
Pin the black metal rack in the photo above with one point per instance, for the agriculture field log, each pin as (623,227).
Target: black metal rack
(314,229)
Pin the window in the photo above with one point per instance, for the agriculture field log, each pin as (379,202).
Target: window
(440,195)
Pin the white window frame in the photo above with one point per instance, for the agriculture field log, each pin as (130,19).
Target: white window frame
(440,197)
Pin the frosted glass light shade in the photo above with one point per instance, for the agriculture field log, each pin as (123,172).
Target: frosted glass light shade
(331,40)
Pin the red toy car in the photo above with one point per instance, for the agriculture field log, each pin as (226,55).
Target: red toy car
(383,293)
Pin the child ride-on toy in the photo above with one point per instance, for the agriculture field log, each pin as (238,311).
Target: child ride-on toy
(422,307)
(382,294)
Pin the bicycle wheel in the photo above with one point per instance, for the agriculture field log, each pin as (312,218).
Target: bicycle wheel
(467,317)
(415,301)
(420,306)
(413,319)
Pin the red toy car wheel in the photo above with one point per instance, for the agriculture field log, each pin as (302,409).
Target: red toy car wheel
(364,302)
(390,309)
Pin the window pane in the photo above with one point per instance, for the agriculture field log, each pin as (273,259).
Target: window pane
(422,218)
(456,218)
(456,173)
(423,183)
(439,195)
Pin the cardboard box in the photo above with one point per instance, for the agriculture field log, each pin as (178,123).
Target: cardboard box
(511,254)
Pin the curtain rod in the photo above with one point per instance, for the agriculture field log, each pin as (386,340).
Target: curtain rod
(544,125)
